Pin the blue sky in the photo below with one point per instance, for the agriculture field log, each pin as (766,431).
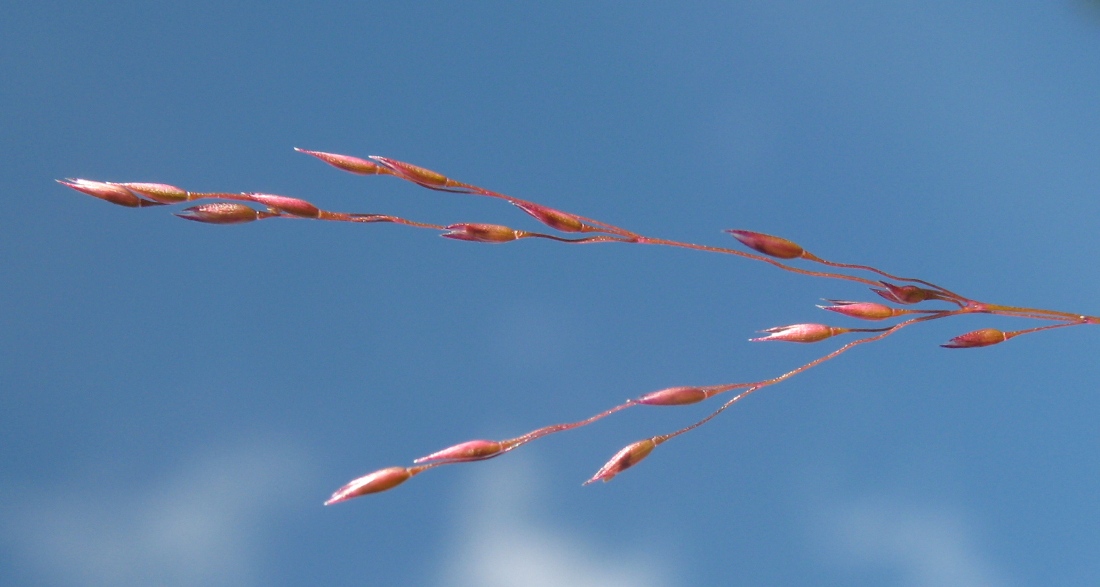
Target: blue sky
(177,399)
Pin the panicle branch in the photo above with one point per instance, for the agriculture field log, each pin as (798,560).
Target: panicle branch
(238,208)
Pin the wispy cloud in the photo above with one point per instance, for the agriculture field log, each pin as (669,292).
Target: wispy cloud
(500,543)
(920,545)
(200,525)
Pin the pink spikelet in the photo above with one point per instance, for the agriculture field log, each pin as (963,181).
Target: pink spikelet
(375,482)
(674,396)
(473,450)
(349,163)
(482,233)
(288,205)
(158,192)
(629,456)
(864,310)
(800,333)
(415,173)
(907,294)
(977,338)
(555,219)
(108,192)
(223,213)
(768,244)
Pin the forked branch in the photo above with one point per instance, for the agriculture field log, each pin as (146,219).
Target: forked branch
(238,208)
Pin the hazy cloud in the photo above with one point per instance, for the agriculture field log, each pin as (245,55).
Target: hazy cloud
(200,525)
(922,545)
(500,543)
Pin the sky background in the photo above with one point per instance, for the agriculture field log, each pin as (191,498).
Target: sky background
(177,399)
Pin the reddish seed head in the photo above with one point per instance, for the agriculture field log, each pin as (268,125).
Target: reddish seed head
(415,173)
(800,333)
(348,163)
(906,294)
(768,244)
(222,213)
(472,450)
(977,338)
(482,233)
(863,310)
(629,456)
(109,192)
(375,482)
(289,205)
(556,219)
(673,396)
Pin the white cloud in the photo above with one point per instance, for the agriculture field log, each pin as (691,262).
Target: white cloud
(922,545)
(201,525)
(499,543)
